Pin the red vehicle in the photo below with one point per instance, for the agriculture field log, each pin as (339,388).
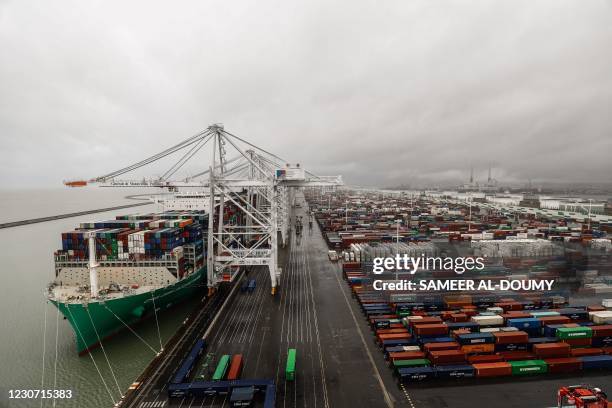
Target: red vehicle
(582,396)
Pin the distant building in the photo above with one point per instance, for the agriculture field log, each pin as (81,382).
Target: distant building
(530,200)
(608,208)
(489,187)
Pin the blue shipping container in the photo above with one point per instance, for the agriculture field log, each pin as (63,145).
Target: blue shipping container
(455,371)
(596,362)
(416,373)
(476,338)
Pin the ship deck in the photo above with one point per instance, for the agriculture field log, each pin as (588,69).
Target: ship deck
(75,295)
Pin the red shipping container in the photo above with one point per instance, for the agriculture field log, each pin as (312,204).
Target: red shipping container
(451,345)
(454,333)
(516,355)
(603,330)
(459,317)
(514,337)
(509,305)
(563,365)
(607,350)
(469,312)
(551,350)
(393,336)
(485,358)
(515,315)
(406,355)
(596,308)
(581,352)
(389,331)
(431,329)
(425,320)
(441,357)
(578,342)
(235,368)
(518,313)
(546,320)
(492,369)
(446,314)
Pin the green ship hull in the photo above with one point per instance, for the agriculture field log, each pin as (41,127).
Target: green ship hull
(112,316)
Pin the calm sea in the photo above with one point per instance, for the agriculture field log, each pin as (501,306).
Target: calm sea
(30,356)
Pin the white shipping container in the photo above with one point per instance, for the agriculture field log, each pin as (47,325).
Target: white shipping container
(490,329)
(495,309)
(488,320)
(606,303)
(602,317)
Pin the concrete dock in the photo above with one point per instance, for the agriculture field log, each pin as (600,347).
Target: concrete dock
(338,363)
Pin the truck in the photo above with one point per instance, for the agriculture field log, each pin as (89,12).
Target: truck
(582,396)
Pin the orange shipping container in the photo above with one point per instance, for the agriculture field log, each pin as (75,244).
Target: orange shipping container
(406,355)
(393,336)
(586,342)
(492,369)
(546,320)
(425,320)
(514,337)
(451,345)
(604,330)
(431,329)
(478,348)
(441,357)
(484,358)
(516,355)
(581,352)
(551,350)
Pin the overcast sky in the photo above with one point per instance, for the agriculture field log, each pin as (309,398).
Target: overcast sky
(382,92)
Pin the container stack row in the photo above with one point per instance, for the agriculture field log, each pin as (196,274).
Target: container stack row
(467,336)
(176,235)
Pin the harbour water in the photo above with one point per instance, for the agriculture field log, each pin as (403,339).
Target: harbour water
(35,358)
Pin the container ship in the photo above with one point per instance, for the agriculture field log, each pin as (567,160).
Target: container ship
(111,274)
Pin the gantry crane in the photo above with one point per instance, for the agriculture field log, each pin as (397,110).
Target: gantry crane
(258,183)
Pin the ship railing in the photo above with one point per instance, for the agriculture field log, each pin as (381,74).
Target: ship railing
(171,262)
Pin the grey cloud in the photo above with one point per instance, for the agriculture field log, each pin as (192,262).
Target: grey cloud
(381,92)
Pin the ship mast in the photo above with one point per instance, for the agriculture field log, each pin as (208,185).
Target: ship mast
(93,273)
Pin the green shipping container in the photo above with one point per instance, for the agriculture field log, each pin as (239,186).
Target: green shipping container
(290,368)
(565,333)
(417,362)
(528,367)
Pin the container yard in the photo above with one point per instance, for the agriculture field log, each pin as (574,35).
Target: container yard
(316,294)
(393,349)
(435,343)
(287,345)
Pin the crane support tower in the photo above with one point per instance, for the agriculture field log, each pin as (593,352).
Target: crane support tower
(256,184)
